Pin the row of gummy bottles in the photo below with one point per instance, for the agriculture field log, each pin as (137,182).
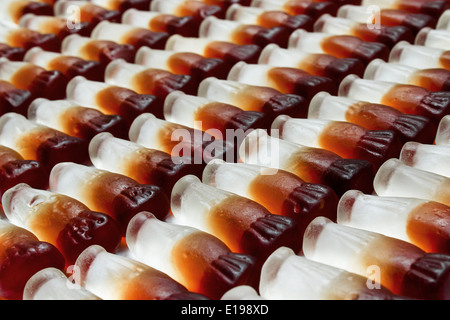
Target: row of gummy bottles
(220,149)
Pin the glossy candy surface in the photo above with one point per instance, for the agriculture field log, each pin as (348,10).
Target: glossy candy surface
(348,140)
(406,98)
(314,165)
(114,194)
(242,224)
(396,264)
(287,276)
(52,284)
(196,259)
(145,165)
(114,277)
(372,116)
(60,220)
(424,223)
(21,256)
(279,191)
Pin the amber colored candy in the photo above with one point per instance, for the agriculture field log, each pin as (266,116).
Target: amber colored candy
(13,99)
(197,66)
(313,165)
(416,100)
(196,146)
(409,127)
(21,256)
(314,9)
(415,22)
(433,8)
(54,25)
(254,98)
(15,169)
(347,46)
(41,143)
(279,191)
(106,51)
(128,103)
(145,165)
(60,220)
(27,39)
(114,194)
(198,260)
(223,116)
(387,35)
(11,53)
(75,120)
(242,224)
(21,8)
(100,271)
(271,19)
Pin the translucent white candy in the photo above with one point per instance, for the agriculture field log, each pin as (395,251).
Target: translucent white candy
(242,292)
(40,57)
(112,154)
(232,177)
(152,241)
(253,74)
(360,14)
(326,106)
(108,4)
(117,32)
(50,113)
(334,25)
(244,14)
(381,70)
(166,6)
(416,56)
(444,21)
(10,10)
(274,55)
(307,41)
(73,45)
(69,178)
(179,43)
(218,29)
(432,38)
(370,212)
(268,4)
(121,73)
(337,245)
(301,131)
(261,149)
(357,88)
(21,204)
(443,133)
(153,58)
(69,8)
(139,18)
(192,202)
(428,157)
(287,276)
(52,284)
(394,178)
(81,91)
